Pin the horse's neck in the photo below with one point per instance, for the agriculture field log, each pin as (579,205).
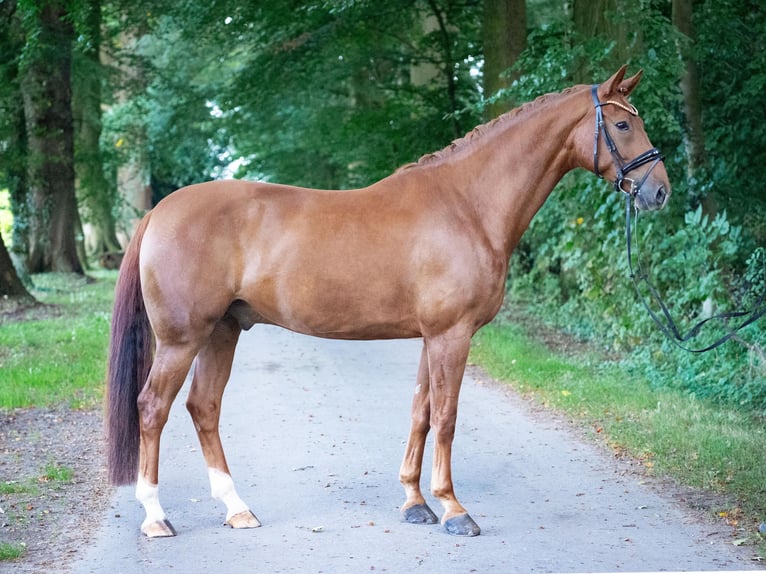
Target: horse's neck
(510,173)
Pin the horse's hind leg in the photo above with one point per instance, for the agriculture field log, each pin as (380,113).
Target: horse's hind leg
(204,404)
(415,510)
(171,364)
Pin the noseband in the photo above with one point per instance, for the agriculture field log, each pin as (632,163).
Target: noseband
(623,168)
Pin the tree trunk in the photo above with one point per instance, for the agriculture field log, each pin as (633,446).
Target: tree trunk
(10,284)
(448,70)
(16,180)
(596,18)
(97,196)
(47,96)
(694,138)
(134,190)
(504,36)
(13,152)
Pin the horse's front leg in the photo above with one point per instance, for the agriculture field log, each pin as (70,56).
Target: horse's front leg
(415,510)
(204,404)
(447,356)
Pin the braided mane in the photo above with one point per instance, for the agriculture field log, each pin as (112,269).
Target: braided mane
(480,130)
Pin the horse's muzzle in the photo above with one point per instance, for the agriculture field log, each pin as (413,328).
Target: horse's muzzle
(650,198)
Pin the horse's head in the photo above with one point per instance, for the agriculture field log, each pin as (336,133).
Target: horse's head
(622,152)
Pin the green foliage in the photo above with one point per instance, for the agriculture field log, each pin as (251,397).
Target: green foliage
(163,118)
(572,265)
(330,96)
(733,58)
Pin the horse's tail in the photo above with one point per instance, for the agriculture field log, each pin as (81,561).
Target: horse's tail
(130,358)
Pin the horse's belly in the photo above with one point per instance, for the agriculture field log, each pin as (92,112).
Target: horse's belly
(331,310)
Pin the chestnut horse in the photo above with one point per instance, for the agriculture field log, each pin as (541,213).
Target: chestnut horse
(421,253)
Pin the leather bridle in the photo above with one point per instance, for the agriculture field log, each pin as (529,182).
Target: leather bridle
(652,155)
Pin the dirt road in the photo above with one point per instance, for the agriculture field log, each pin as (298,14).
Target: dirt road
(314,431)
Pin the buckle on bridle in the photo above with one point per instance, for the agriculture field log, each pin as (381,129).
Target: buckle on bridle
(653,155)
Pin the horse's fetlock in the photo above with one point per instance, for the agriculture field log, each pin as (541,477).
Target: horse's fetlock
(408,478)
(442,492)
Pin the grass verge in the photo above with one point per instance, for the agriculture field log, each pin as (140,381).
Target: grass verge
(672,433)
(57,353)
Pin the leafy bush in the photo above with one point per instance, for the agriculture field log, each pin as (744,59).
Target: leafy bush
(572,268)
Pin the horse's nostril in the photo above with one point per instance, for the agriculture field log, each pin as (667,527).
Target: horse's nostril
(661,195)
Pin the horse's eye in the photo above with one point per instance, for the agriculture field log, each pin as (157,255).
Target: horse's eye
(623,126)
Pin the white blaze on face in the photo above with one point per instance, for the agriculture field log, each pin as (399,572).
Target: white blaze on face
(222,488)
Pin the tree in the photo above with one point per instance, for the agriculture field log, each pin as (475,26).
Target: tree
(504,37)
(731,59)
(10,284)
(694,137)
(340,94)
(13,140)
(602,19)
(46,94)
(96,195)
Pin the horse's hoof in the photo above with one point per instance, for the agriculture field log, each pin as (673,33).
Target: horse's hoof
(158,529)
(462,525)
(419,514)
(244,519)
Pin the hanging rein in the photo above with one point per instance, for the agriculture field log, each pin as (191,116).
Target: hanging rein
(637,274)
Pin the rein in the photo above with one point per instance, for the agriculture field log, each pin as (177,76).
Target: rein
(637,273)
(668,327)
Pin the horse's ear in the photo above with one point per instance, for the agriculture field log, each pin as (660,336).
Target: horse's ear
(613,84)
(626,86)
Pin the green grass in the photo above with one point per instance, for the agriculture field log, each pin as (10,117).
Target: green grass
(54,472)
(15,487)
(672,433)
(11,551)
(58,355)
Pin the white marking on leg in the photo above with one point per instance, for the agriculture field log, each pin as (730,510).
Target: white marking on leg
(149,495)
(417,390)
(222,488)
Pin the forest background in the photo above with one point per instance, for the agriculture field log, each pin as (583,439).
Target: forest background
(107,106)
